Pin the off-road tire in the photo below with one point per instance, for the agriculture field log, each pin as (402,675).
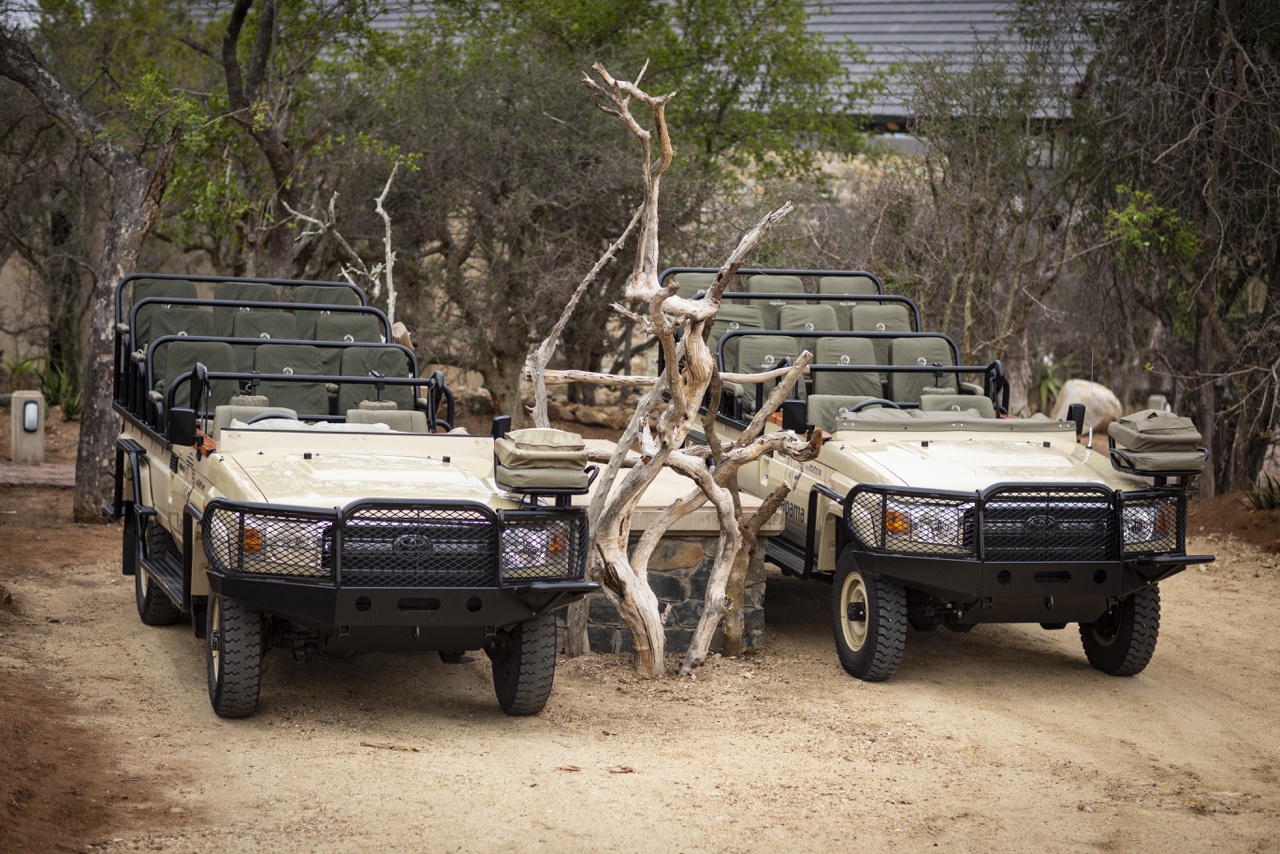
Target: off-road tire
(233,657)
(524,665)
(1122,641)
(869,648)
(452,656)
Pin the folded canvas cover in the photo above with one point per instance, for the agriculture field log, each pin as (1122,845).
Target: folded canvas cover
(535,448)
(1154,430)
(1157,441)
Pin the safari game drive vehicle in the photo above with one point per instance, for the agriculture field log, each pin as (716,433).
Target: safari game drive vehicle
(286,479)
(927,504)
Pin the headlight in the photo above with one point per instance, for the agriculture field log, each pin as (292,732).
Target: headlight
(932,524)
(260,544)
(525,547)
(1154,524)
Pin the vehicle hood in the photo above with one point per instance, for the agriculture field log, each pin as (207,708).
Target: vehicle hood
(334,480)
(971,464)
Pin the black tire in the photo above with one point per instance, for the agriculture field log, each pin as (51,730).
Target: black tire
(1122,641)
(452,656)
(524,665)
(869,616)
(233,657)
(154,607)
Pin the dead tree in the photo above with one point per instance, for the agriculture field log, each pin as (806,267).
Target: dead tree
(681,327)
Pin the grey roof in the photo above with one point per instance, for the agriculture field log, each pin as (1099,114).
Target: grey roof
(903,31)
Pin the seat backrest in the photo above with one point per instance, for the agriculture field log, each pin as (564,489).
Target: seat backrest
(400,420)
(224,315)
(759,353)
(308,399)
(177,320)
(798,317)
(847,285)
(908,387)
(147,289)
(824,409)
(856,285)
(181,356)
(364,362)
(846,351)
(691,283)
(263,325)
(224,415)
(728,319)
(345,326)
(958,403)
(870,317)
(320,295)
(767,284)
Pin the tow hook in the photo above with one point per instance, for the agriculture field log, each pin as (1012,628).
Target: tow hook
(857,612)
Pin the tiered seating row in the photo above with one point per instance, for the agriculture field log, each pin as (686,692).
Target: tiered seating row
(325,334)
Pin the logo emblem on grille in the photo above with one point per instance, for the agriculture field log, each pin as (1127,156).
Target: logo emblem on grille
(1041,524)
(408,544)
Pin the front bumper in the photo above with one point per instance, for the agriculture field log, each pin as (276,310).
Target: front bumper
(1045,552)
(423,565)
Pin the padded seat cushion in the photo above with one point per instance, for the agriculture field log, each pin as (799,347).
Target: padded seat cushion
(765,284)
(541,449)
(730,318)
(980,404)
(387,361)
(224,315)
(546,478)
(908,387)
(320,295)
(181,356)
(305,398)
(400,420)
(760,353)
(846,351)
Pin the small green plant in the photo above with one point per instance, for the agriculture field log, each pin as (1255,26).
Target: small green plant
(63,387)
(1265,494)
(24,372)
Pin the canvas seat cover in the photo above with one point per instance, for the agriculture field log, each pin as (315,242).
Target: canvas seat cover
(846,351)
(181,356)
(768,284)
(304,398)
(730,318)
(243,292)
(320,295)
(908,387)
(388,361)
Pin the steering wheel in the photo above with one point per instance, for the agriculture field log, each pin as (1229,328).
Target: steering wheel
(873,401)
(263,416)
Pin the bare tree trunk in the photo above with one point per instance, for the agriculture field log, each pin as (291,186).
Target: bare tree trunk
(1206,399)
(138,191)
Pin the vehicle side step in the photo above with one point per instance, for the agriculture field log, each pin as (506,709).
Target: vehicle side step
(790,559)
(166,570)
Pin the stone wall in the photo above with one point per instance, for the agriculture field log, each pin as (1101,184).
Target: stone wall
(678,574)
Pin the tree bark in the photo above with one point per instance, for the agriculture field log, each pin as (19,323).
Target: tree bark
(138,191)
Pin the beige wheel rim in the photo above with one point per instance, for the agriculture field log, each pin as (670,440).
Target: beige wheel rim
(853,591)
(215,630)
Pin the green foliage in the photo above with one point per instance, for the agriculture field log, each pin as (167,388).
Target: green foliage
(64,386)
(1143,225)
(1265,494)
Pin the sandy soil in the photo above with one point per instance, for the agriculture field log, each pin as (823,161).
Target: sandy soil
(1002,738)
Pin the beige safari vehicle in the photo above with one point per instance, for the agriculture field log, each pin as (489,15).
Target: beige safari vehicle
(288,479)
(928,505)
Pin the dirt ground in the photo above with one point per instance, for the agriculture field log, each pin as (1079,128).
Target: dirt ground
(1003,738)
